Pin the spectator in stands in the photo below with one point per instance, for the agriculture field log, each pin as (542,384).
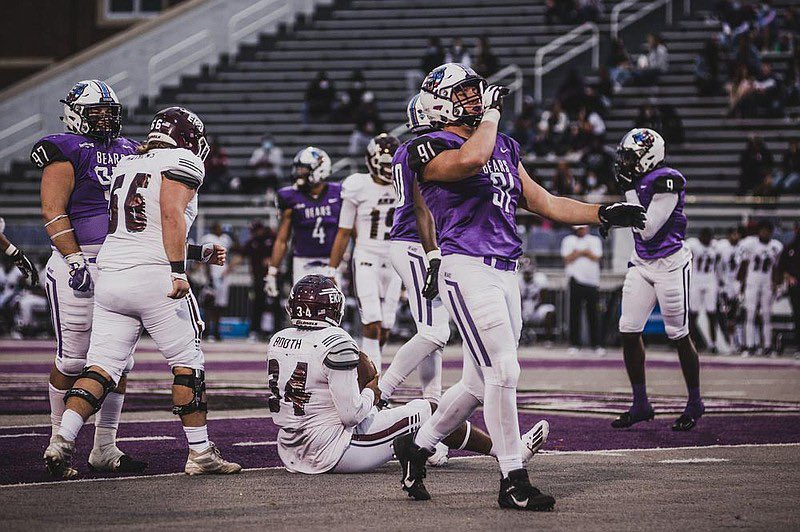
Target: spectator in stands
(368,123)
(267,162)
(619,64)
(486,63)
(216,165)
(789,266)
(671,124)
(746,54)
(766,25)
(756,166)
(433,56)
(458,53)
(355,93)
(582,252)
(740,94)
(648,117)
(564,184)
(560,12)
(768,93)
(787,179)
(652,65)
(572,93)
(603,90)
(587,126)
(523,128)
(707,75)
(320,97)
(258,249)
(589,10)
(551,131)
(598,161)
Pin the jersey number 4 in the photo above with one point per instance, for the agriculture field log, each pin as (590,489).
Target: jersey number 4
(295,390)
(132,205)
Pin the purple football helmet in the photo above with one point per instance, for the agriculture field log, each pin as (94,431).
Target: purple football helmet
(315,302)
(181,128)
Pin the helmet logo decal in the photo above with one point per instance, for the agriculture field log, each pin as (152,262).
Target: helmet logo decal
(75,92)
(434,79)
(644,138)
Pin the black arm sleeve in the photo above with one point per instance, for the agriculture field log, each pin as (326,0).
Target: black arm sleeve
(668,183)
(45,152)
(422,150)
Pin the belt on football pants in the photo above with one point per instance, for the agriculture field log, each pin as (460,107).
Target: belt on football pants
(497,263)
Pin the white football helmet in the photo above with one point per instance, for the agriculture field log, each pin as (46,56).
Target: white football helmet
(418,122)
(91,108)
(639,152)
(311,166)
(444,99)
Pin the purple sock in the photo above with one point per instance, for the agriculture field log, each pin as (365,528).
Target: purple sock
(639,397)
(694,395)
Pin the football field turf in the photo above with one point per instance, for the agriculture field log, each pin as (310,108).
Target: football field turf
(740,467)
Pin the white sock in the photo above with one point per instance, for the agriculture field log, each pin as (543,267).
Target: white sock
(372,348)
(71,424)
(197,438)
(57,407)
(456,406)
(107,420)
(500,415)
(430,376)
(410,355)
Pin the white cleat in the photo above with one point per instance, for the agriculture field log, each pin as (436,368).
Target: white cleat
(209,462)
(110,459)
(58,458)
(439,458)
(534,439)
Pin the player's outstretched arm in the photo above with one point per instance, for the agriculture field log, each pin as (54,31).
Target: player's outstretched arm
(658,212)
(175,196)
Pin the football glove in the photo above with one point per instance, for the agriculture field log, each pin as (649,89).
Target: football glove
(493,97)
(431,288)
(24,264)
(622,214)
(79,278)
(271,282)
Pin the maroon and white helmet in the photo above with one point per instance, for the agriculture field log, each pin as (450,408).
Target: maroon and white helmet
(380,151)
(315,302)
(181,128)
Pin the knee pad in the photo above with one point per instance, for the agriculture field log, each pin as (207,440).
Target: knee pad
(197,383)
(94,402)
(503,372)
(71,367)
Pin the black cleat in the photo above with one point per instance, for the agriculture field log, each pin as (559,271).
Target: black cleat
(517,493)
(383,403)
(412,460)
(627,419)
(689,418)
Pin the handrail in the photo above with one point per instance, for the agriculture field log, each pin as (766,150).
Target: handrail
(175,51)
(236,34)
(648,7)
(540,69)
(515,87)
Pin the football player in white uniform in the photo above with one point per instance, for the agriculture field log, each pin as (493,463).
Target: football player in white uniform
(17,256)
(729,289)
(142,284)
(368,205)
(323,393)
(704,289)
(759,277)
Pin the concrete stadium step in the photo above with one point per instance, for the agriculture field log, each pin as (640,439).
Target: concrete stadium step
(437,12)
(413,43)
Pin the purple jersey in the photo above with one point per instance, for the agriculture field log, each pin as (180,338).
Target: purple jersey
(669,238)
(92,162)
(474,216)
(404,226)
(314,221)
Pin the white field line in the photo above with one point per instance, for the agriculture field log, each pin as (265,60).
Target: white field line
(254,443)
(23,435)
(146,438)
(694,461)
(455,458)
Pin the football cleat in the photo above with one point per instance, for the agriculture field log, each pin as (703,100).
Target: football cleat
(412,459)
(534,439)
(689,418)
(517,493)
(209,462)
(629,419)
(110,459)
(58,458)
(439,457)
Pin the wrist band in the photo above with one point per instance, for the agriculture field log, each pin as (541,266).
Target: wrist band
(434,254)
(65,231)
(75,258)
(181,276)
(272,270)
(56,218)
(178,266)
(11,249)
(491,115)
(194,252)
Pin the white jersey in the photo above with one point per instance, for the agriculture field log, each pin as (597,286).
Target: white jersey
(705,260)
(761,258)
(369,207)
(134,230)
(314,396)
(728,262)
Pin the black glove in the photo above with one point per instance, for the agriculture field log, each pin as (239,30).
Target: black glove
(622,214)
(24,264)
(431,288)
(493,97)
(623,184)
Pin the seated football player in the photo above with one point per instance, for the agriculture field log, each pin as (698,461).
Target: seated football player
(323,393)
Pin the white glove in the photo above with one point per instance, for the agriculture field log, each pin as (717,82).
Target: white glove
(493,97)
(271,282)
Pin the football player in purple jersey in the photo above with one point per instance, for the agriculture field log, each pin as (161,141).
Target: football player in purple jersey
(309,211)
(659,270)
(472,180)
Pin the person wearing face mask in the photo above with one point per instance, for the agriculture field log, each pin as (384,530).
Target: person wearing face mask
(320,96)
(458,53)
(266,162)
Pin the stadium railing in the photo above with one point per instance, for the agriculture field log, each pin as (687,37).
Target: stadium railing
(648,6)
(541,68)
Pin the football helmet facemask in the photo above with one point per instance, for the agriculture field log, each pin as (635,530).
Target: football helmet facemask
(180,128)
(453,95)
(311,166)
(639,152)
(418,122)
(315,302)
(92,109)
(380,151)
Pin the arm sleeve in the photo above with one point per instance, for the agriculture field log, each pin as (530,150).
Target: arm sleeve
(185,168)
(422,150)
(45,152)
(632,197)
(351,405)
(347,216)
(669,183)
(659,211)
(342,354)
